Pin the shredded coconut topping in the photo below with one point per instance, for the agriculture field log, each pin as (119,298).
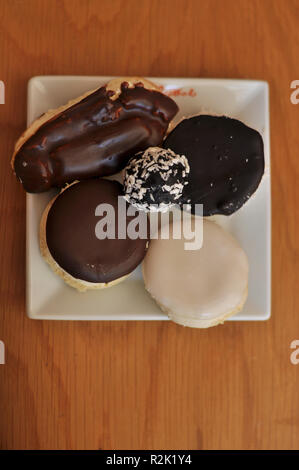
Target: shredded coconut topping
(154,180)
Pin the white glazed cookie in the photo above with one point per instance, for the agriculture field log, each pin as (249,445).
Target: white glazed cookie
(198,288)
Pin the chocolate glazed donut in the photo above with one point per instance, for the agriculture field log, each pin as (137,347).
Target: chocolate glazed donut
(94,137)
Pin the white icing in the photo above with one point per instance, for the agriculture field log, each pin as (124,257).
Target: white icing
(201,287)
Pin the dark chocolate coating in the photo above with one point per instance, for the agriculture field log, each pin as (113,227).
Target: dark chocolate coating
(94,137)
(71,236)
(226,161)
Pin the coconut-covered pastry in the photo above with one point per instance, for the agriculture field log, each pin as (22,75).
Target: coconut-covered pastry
(197,288)
(154,180)
(93,135)
(70,244)
(226,160)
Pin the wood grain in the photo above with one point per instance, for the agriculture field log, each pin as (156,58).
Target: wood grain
(121,385)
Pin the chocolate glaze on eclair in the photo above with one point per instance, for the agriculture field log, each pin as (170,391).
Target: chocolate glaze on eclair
(71,236)
(94,137)
(226,160)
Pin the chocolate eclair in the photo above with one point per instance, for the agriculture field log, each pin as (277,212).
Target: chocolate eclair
(93,135)
(226,160)
(70,241)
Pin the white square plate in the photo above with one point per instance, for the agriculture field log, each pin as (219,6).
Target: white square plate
(49,298)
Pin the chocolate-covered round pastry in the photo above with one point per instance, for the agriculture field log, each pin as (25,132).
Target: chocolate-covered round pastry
(69,240)
(226,160)
(154,180)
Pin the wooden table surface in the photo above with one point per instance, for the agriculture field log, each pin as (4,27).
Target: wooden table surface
(155,385)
